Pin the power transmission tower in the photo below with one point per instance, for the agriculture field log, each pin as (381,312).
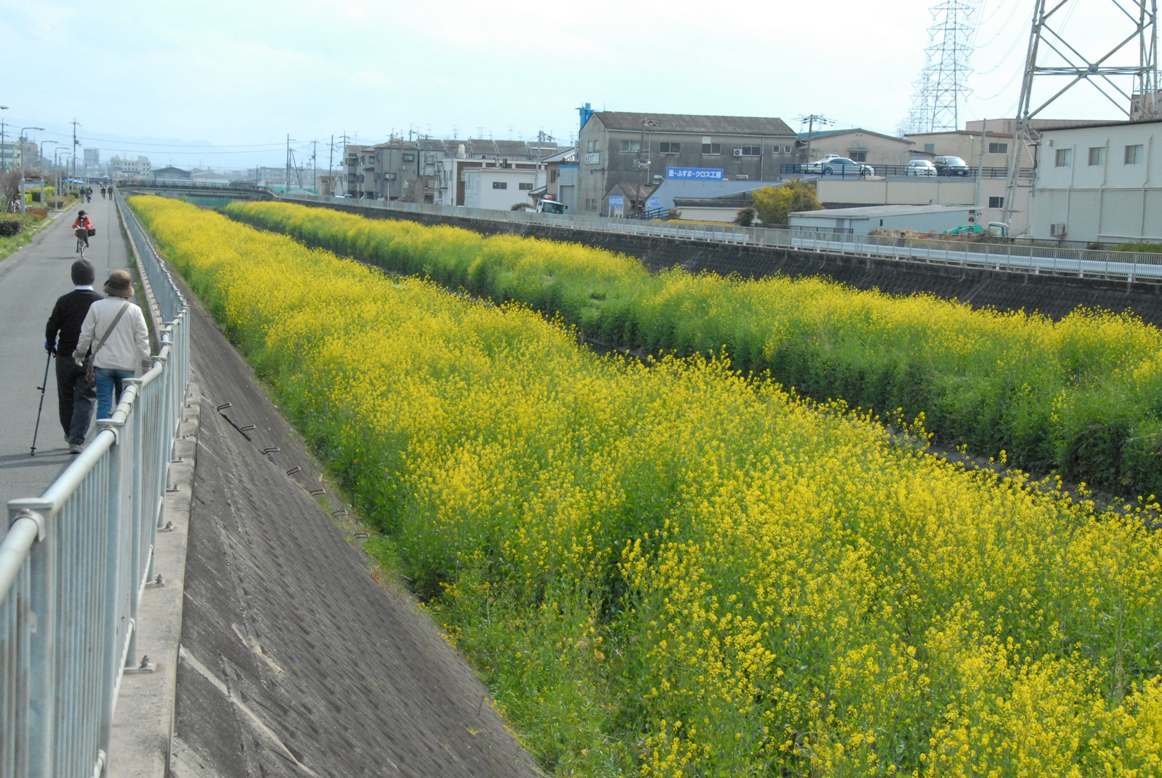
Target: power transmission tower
(1126,74)
(943,84)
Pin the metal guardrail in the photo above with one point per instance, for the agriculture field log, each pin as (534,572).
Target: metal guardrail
(74,562)
(1013,255)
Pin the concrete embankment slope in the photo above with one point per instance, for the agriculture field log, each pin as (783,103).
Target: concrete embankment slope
(1052,295)
(294,661)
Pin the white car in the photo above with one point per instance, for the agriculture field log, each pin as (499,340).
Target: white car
(842,166)
(817,166)
(920,167)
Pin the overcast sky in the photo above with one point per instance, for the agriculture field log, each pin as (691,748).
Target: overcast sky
(222,83)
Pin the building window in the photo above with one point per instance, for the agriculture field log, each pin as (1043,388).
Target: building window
(857,156)
(998,148)
(409,156)
(930,148)
(711,149)
(553,175)
(500,185)
(1097,155)
(748,151)
(631,146)
(590,204)
(524,187)
(1134,154)
(591,147)
(1064,157)
(666,147)
(996,202)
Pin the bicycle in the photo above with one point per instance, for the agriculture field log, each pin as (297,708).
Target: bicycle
(82,240)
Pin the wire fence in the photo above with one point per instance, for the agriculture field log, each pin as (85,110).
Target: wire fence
(75,560)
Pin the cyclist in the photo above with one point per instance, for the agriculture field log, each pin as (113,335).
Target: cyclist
(82,226)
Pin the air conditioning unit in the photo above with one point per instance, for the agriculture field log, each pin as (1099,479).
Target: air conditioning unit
(1057,230)
(738,152)
(742,177)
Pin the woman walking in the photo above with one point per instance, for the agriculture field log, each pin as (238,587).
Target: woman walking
(115,330)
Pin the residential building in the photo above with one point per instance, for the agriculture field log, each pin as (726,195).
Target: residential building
(630,149)
(431,170)
(859,222)
(1099,183)
(857,144)
(92,159)
(15,153)
(499,188)
(560,182)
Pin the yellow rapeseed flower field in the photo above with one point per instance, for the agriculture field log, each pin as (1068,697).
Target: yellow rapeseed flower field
(1082,396)
(670,570)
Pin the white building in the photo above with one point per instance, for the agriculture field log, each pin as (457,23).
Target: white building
(858,222)
(987,195)
(130,168)
(499,188)
(1099,183)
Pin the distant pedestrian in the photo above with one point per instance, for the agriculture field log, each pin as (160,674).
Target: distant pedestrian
(74,394)
(115,330)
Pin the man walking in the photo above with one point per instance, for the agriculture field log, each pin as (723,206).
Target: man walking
(74,393)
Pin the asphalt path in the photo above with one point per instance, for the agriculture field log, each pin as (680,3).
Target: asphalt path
(30,282)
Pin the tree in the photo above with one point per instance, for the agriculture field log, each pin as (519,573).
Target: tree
(745,217)
(9,188)
(775,204)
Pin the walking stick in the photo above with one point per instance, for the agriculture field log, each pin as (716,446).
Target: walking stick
(39,408)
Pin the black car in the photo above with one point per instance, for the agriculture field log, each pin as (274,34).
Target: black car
(950,166)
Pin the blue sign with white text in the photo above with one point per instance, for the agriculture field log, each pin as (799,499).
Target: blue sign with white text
(700,173)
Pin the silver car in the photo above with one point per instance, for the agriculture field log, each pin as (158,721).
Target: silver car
(842,166)
(920,167)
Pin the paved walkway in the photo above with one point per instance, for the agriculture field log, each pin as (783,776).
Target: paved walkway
(30,281)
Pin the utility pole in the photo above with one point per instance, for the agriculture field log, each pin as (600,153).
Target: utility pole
(76,143)
(286,181)
(984,137)
(811,120)
(314,166)
(3,164)
(331,164)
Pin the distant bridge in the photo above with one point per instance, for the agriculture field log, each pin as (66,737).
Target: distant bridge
(196,189)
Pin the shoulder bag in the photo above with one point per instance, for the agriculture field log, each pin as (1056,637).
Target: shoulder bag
(90,375)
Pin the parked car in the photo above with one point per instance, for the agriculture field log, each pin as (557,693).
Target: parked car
(842,166)
(950,166)
(920,167)
(817,166)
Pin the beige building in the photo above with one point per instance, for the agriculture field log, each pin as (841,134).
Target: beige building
(984,148)
(857,144)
